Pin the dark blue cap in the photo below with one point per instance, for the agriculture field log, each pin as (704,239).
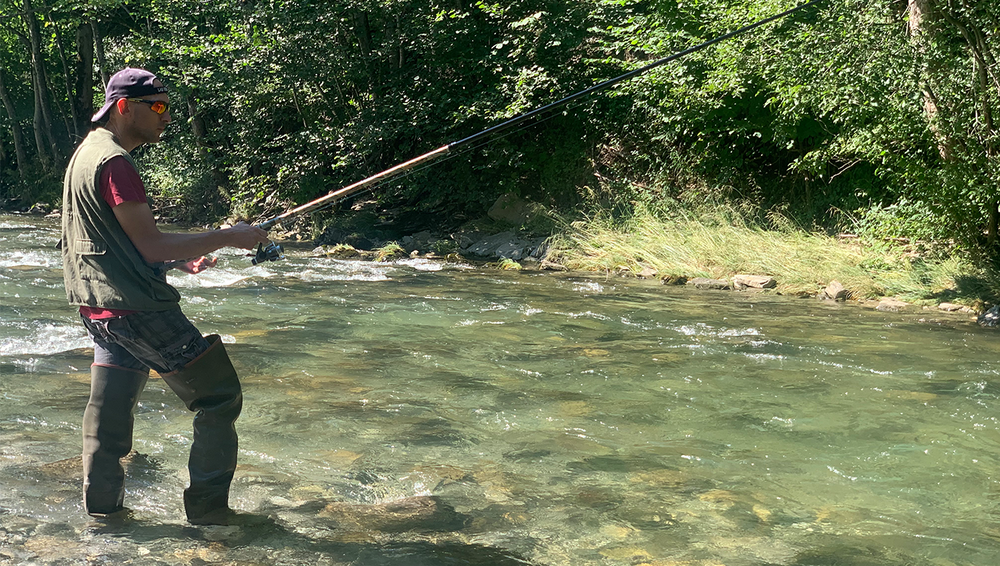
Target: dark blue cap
(127,83)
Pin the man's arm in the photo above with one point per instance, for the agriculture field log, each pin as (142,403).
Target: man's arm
(137,220)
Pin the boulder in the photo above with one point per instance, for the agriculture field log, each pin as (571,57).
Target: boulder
(647,273)
(835,291)
(950,307)
(506,245)
(511,209)
(891,305)
(990,318)
(741,282)
(705,283)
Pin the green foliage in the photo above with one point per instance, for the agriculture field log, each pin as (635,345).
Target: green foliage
(901,220)
(444,247)
(850,105)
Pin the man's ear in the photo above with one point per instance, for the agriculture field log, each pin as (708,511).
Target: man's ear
(122,105)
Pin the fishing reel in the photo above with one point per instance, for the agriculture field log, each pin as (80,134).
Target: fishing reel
(272,252)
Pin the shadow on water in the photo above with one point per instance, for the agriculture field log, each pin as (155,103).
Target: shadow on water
(272,537)
(340,532)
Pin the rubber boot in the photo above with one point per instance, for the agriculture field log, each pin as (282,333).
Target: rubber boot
(107,435)
(209,386)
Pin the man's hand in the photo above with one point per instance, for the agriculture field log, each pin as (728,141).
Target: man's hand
(246,236)
(197,265)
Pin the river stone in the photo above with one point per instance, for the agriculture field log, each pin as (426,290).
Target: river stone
(552,266)
(673,280)
(741,282)
(950,307)
(506,245)
(67,470)
(891,305)
(835,291)
(419,513)
(71,469)
(647,273)
(705,283)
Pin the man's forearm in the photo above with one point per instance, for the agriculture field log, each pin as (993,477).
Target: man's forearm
(137,221)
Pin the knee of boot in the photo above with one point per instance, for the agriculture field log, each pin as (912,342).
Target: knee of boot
(209,382)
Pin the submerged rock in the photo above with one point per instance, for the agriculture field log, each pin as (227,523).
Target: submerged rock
(673,280)
(70,469)
(421,513)
(705,283)
(891,305)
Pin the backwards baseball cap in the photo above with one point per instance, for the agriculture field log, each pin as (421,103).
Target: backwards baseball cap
(127,83)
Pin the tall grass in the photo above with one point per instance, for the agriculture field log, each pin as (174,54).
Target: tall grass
(724,242)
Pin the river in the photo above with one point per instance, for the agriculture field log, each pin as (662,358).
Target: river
(419,413)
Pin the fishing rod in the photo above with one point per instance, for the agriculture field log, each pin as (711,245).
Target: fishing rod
(272,251)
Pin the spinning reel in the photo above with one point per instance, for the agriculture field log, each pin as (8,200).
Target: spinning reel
(272,252)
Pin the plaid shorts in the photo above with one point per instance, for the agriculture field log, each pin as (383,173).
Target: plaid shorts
(162,340)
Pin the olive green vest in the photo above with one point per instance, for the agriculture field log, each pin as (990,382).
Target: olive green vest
(101,266)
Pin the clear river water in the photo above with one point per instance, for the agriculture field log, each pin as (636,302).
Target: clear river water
(420,413)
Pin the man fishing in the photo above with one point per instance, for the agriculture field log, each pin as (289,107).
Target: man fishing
(114,270)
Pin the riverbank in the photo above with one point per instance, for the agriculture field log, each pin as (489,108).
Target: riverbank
(717,244)
(708,250)
(721,246)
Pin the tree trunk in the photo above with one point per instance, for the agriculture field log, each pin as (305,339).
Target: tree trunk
(102,64)
(985,71)
(198,127)
(84,100)
(362,30)
(37,122)
(43,101)
(363,33)
(73,121)
(3,156)
(15,129)
(919,18)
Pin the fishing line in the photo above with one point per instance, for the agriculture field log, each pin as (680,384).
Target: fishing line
(478,139)
(452,155)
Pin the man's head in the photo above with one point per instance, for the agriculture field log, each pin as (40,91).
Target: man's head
(128,83)
(136,107)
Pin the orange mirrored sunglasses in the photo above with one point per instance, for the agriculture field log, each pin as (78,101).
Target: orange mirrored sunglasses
(157,106)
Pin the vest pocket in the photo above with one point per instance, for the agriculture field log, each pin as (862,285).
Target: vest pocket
(90,247)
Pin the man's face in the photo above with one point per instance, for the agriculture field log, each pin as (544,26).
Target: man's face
(147,125)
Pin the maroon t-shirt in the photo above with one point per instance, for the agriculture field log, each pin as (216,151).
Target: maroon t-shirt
(120,182)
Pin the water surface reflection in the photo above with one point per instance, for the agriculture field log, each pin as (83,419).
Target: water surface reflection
(415,413)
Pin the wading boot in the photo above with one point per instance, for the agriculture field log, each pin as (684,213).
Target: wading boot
(107,436)
(209,386)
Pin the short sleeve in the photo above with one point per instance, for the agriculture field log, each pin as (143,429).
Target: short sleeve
(120,182)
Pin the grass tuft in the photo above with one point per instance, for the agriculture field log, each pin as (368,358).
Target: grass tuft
(722,243)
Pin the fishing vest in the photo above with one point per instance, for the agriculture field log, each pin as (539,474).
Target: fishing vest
(101,266)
